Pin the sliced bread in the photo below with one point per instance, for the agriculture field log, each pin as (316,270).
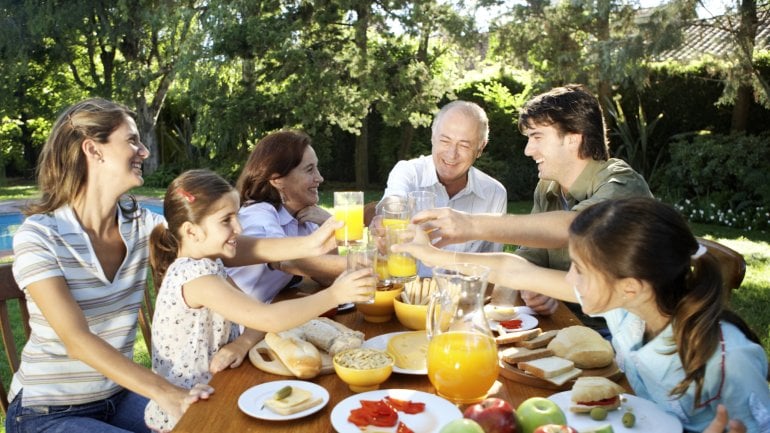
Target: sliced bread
(548,367)
(515,355)
(541,340)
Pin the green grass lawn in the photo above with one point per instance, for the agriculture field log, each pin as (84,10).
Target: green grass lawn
(751,300)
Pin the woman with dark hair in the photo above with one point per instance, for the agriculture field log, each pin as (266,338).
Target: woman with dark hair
(279,198)
(636,263)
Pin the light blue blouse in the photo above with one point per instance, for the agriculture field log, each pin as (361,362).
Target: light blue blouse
(653,370)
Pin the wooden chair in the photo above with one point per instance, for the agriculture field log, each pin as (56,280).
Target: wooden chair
(145,318)
(9,291)
(732,263)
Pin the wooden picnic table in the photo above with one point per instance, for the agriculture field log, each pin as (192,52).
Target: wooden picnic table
(221,413)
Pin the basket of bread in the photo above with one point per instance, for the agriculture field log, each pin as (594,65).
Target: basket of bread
(412,305)
(554,359)
(305,351)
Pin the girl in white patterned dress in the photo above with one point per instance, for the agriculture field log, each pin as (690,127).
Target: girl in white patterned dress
(195,332)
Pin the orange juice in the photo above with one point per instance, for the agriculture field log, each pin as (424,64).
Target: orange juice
(462,365)
(353,216)
(388,222)
(382,268)
(401,266)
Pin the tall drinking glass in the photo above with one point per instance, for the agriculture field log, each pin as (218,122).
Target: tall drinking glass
(363,257)
(420,201)
(349,207)
(401,266)
(395,211)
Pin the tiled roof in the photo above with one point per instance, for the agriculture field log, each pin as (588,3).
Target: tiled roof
(711,37)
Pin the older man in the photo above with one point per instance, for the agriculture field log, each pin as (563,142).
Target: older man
(567,140)
(460,132)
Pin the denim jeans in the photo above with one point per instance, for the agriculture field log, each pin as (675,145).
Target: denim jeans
(121,413)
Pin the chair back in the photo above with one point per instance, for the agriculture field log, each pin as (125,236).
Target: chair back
(732,263)
(10,292)
(145,317)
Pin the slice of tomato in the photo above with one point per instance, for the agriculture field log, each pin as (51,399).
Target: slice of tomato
(402,428)
(511,324)
(605,402)
(376,413)
(406,406)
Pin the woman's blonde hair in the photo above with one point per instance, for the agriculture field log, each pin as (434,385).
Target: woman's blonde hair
(62,172)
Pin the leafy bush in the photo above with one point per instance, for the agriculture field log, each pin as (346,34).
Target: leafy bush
(720,178)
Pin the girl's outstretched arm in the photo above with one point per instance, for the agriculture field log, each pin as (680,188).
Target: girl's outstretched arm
(253,250)
(506,269)
(231,355)
(226,299)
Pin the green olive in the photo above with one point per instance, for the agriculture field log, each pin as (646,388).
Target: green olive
(282,393)
(599,413)
(628,419)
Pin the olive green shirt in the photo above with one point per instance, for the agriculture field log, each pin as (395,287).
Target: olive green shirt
(599,181)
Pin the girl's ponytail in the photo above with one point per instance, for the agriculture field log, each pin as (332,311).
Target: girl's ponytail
(163,251)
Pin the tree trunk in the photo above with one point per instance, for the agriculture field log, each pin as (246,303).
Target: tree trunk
(362,155)
(146,122)
(362,140)
(407,137)
(747,33)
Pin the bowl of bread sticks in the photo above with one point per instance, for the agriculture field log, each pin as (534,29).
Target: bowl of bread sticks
(412,305)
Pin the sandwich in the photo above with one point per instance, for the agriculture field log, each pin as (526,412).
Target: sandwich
(290,399)
(595,391)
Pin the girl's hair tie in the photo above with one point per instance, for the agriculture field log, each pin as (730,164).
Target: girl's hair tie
(187,196)
(699,252)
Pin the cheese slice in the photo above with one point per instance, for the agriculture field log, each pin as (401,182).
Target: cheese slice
(299,400)
(410,350)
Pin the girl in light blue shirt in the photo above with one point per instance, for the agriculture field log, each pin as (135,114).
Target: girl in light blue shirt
(636,263)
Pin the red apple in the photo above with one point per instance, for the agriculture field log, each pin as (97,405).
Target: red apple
(495,415)
(537,411)
(555,428)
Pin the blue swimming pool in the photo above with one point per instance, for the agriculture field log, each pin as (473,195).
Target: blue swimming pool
(10,222)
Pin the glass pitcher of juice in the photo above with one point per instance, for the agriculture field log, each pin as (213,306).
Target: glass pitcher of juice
(462,353)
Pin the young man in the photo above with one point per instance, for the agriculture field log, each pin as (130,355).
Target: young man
(567,140)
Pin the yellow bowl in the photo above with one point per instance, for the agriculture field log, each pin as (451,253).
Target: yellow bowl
(411,316)
(381,310)
(351,368)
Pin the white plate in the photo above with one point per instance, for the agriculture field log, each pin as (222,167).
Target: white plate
(380,342)
(251,402)
(527,322)
(649,417)
(437,411)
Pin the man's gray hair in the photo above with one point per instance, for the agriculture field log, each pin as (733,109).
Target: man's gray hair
(469,109)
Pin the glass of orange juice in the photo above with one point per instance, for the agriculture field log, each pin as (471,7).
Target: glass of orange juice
(401,266)
(395,213)
(363,257)
(349,207)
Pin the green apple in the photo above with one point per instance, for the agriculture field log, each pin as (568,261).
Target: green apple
(462,425)
(536,411)
(603,429)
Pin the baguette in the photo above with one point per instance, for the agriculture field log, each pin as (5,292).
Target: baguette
(298,355)
(541,340)
(546,368)
(515,355)
(514,337)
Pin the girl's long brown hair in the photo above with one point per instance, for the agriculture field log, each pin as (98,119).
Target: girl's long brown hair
(189,197)
(649,240)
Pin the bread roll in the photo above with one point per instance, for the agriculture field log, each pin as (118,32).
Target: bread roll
(331,336)
(583,346)
(299,356)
